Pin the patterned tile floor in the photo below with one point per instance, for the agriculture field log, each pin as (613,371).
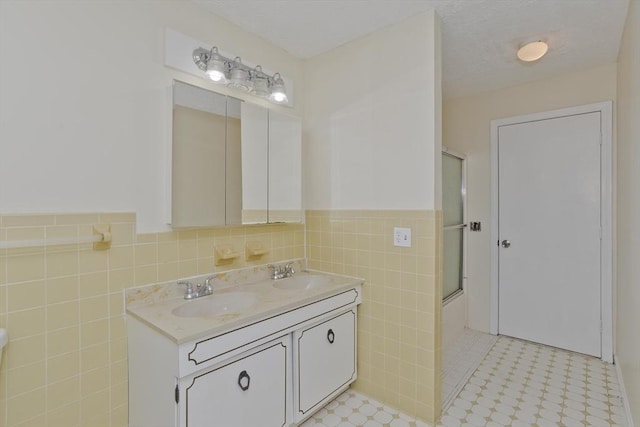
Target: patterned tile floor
(517,384)
(354,409)
(460,360)
(525,384)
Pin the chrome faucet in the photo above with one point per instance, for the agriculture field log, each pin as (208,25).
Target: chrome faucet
(200,290)
(281,271)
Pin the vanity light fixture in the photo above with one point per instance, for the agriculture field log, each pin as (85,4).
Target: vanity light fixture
(278,93)
(236,75)
(260,84)
(216,67)
(240,78)
(532,51)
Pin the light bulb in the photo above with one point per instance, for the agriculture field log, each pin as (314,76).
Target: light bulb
(278,94)
(216,67)
(216,76)
(239,77)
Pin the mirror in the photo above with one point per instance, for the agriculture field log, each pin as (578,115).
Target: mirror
(233,162)
(285,160)
(198,157)
(255,125)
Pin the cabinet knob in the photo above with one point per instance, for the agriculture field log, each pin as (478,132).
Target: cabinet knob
(244,380)
(331,336)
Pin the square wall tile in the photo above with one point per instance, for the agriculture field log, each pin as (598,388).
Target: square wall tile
(398,301)
(64,307)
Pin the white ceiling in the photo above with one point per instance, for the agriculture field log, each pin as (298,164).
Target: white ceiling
(479,37)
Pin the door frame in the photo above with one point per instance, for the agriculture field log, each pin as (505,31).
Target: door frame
(606,210)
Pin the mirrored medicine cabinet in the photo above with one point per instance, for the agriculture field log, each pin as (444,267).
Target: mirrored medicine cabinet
(233,162)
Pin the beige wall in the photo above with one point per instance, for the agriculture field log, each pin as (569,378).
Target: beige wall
(628,206)
(398,333)
(372,134)
(66,361)
(90,130)
(467,129)
(198,168)
(371,154)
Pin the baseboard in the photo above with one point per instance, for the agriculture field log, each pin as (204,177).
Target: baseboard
(625,399)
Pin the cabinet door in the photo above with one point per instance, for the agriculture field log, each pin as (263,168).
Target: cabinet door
(248,392)
(325,361)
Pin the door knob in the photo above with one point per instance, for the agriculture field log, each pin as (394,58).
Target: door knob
(506,244)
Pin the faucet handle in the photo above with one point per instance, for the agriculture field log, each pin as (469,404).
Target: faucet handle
(189,293)
(208,287)
(289,268)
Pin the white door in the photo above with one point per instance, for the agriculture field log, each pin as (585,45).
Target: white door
(549,271)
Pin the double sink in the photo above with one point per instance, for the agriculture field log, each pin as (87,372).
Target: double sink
(241,297)
(237,301)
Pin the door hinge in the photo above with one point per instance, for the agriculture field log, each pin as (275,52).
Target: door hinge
(177,394)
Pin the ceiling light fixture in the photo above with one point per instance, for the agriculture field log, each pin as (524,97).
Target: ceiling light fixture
(532,51)
(236,75)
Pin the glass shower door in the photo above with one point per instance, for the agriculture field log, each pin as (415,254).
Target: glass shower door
(453,195)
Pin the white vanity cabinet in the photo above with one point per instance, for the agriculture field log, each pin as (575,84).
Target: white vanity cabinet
(250,390)
(324,361)
(273,371)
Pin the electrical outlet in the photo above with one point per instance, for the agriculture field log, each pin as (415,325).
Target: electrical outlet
(402,237)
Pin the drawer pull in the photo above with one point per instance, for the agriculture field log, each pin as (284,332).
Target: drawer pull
(244,380)
(331,336)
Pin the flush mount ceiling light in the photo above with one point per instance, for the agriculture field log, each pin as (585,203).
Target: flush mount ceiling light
(532,51)
(236,75)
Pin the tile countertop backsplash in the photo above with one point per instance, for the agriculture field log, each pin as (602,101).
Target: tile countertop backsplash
(154,304)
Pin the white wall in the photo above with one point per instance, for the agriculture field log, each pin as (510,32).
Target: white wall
(628,243)
(85,101)
(372,128)
(466,129)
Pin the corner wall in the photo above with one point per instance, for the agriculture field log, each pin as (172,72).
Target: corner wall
(628,206)
(467,129)
(372,151)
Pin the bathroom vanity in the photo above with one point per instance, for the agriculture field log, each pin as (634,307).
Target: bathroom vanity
(266,353)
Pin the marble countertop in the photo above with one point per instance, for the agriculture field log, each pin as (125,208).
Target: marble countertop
(153,305)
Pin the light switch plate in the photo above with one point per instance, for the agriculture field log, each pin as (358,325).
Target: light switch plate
(402,237)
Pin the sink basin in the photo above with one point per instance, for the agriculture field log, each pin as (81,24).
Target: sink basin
(216,305)
(302,281)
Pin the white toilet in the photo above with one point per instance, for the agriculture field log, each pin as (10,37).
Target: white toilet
(3,341)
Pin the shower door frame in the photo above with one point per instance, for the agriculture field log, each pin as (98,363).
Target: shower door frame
(463,267)
(607,187)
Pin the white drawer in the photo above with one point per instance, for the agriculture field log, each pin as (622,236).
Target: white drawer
(200,354)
